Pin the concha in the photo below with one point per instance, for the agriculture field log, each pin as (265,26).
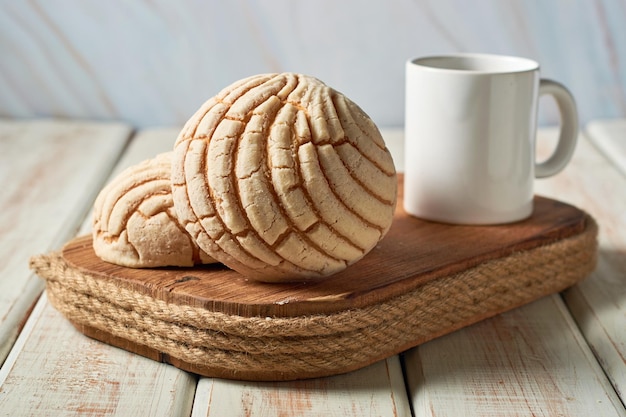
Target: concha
(283,178)
(134,222)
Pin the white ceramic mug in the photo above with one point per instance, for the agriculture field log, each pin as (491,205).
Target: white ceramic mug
(470,132)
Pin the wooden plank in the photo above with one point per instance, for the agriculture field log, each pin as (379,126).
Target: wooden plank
(59,372)
(146,144)
(43,199)
(533,360)
(599,303)
(609,136)
(56,371)
(529,361)
(394,140)
(61,65)
(377,390)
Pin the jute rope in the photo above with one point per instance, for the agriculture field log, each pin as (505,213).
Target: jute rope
(306,346)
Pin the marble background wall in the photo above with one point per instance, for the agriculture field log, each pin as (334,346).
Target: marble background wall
(152,63)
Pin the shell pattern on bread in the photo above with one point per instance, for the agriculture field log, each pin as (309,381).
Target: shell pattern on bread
(135,224)
(282,178)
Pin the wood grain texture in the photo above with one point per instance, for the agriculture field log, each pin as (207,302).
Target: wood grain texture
(145,144)
(153,62)
(54,370)
(44,199)
(534,360)
(377,390)
(609,136)
(413,253)
(598,303)
(529,361)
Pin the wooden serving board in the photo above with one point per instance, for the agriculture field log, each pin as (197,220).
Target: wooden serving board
(421,269)
(413,252)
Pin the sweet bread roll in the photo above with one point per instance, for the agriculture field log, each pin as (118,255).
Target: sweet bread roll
(282,178)
(134,221)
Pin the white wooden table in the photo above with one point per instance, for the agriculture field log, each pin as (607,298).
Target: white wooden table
(564,355)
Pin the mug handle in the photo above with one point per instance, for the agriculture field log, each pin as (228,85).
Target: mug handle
(569,129)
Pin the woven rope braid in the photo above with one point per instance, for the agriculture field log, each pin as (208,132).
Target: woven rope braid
(317,344)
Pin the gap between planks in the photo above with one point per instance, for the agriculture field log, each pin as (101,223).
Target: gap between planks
(476,385)
(43,200)
(48,343)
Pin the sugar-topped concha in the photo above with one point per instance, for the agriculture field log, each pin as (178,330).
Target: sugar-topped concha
(134,222)
(282,178)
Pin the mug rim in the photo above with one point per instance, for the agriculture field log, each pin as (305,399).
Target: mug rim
(475,63)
